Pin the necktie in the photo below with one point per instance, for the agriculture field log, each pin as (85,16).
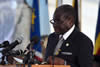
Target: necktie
(59,44)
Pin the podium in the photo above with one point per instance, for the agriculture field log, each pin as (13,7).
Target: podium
(35,65)
(50,66)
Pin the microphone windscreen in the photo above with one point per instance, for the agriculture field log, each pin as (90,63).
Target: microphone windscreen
(4,44)
(14,53)
(35,39)
(19,52)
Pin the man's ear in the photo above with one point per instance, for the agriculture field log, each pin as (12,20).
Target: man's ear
(70,21)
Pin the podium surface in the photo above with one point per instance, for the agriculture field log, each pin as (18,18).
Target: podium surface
(35,66)
(50,66)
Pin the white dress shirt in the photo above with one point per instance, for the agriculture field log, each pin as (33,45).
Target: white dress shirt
(67,34)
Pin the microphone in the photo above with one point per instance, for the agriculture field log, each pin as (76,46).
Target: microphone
(30,54)
(14,53)
(4,44)
(34,40)
(17,52)
(13,45)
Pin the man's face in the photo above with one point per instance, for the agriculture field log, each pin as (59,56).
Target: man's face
(62,25)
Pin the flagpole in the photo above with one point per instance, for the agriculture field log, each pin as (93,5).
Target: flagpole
(77,5)
(58,3)
(80,15)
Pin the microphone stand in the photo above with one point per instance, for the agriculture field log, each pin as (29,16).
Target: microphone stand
(3,61)
(29,58)
(5,56)
(53,59)
(30,61)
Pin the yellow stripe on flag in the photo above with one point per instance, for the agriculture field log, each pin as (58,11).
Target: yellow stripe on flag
(97,45)
(73,4)
(33,17)
(56,3)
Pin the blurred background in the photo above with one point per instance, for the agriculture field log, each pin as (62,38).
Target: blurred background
(29,18)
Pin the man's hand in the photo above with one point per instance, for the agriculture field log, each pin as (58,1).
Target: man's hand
(57,61)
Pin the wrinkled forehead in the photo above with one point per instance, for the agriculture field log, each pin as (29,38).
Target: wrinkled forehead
(61,14)
(64,11)
(58,14)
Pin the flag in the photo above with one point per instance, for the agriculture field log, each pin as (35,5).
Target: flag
(76,4)
(22,19)
(35,29)
(97,38)
(44,18)
(7,20)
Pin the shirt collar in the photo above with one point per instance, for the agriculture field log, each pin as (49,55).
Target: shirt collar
(67,34)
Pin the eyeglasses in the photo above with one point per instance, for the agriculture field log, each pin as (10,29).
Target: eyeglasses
(55,22)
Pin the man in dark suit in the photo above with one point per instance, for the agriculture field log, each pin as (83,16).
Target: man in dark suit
(76,49)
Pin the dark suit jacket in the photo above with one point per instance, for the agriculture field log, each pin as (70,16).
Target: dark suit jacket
(79,53)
